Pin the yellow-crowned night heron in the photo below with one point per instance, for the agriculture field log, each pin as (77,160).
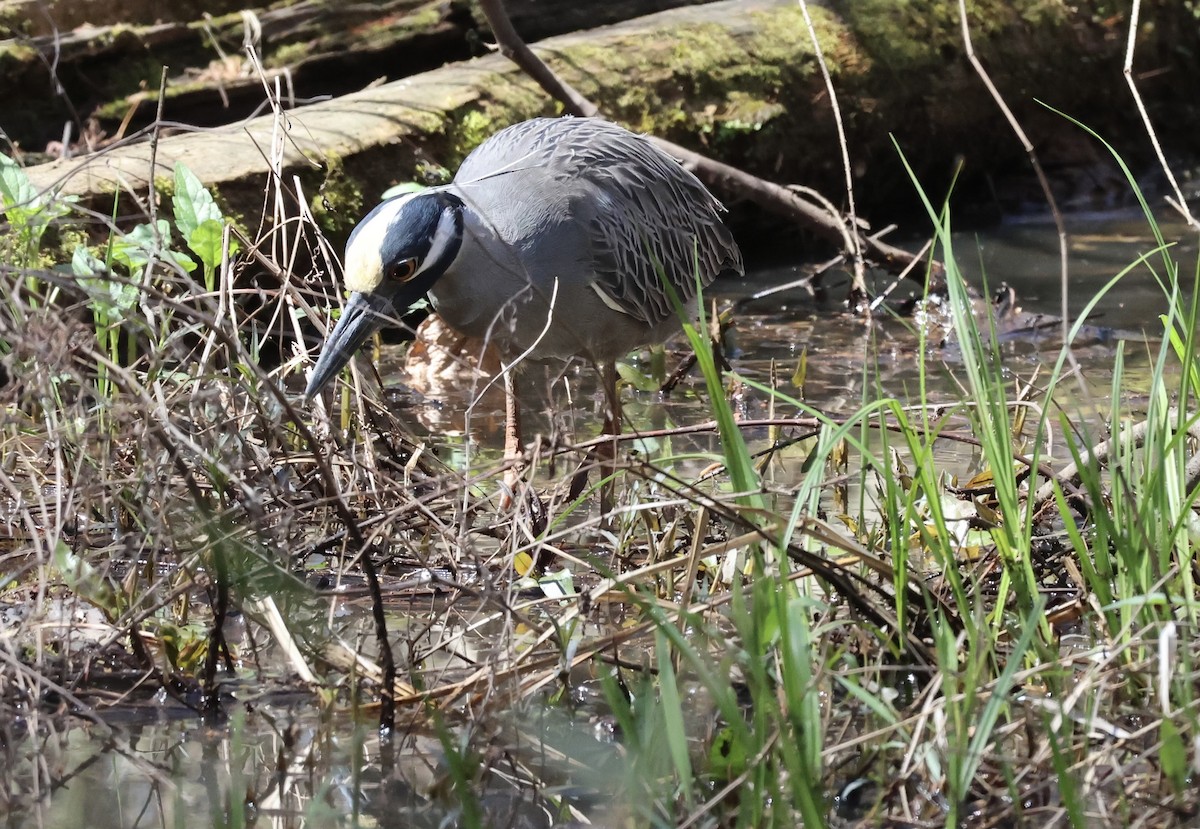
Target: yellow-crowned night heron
(553,241)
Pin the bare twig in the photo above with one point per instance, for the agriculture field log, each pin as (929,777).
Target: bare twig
(859,288)
(151,199)
(282,135)
(513,47)
(1037,169)
(1179,203)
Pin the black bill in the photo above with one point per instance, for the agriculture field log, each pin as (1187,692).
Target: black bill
(364,314)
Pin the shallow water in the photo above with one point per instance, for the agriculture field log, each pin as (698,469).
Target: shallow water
(846,362)
(283,760)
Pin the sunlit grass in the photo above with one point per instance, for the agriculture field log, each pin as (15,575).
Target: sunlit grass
(1000,669)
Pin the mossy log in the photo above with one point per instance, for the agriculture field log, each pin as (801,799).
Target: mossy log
(738,80)
(108,57)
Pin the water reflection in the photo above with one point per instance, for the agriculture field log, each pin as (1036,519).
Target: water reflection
(268,765)
(847,361)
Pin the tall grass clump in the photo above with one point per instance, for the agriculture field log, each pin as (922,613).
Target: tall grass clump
(1132,522)
(931,623)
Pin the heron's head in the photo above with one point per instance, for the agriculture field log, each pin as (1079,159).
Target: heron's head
(393,258)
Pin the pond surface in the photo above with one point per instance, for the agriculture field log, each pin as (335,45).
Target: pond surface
(846,362)
(283,759)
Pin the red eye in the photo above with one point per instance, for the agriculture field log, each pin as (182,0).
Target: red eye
(403,270)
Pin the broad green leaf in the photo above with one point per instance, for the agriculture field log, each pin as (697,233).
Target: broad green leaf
(109,299)
(1173,756)
(137,247)
(192,203)
(84,264)
(15,188)
(402,189)
(205,242)
(89,583)
(727,757)
(638,379)
(121,295)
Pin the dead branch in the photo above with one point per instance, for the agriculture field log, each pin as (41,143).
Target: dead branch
(1106,450)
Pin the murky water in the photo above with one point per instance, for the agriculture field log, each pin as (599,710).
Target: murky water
(287,760)
(846,362)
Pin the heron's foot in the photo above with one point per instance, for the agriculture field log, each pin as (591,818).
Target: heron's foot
(513,483)
(529,521)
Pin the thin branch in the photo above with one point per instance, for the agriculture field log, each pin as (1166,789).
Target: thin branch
(855,243)
(1179,203)
(1037,168)
(513,47)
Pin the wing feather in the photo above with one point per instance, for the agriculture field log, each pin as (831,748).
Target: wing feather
(647,218)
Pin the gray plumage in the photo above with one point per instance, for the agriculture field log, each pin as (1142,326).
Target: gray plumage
(549,243)
(625,205)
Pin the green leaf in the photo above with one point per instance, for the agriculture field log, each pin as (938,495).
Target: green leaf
(84,264)
(727,757)
(801,372)
(205,242)
(192,203)
(402,189)
(137,247)
(672,711)
(636,378)
(558,585)
(89,583)
(742,472)
(15,188)
(109,299)
(1173,756)
(121,295)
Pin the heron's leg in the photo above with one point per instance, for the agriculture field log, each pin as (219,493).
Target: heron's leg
(604,455)
(612,417)
(513,451)
(606,452)
(529,513)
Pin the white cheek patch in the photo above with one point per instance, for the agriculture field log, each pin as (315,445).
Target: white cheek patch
(443,237)
(364,266)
